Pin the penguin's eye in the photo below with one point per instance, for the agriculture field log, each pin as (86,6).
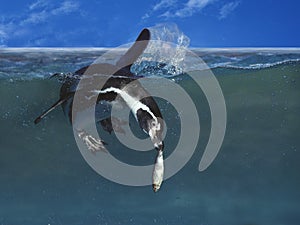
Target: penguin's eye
(153,124)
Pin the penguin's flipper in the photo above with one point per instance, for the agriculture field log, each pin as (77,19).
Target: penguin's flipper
(93,144)
(123,65)
(59,102)
(135,50)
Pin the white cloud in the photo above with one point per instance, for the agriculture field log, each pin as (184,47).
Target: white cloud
(146,16)
(5,30)
(47,10)
(197,3)
(181,9)
(38,4)
(164,4)
(35,18)
(190,8)
(39,12)
(227,9)
(66,8)
(166,14)
(2,34)
(159,6)
(3,37)
(172,8)
(8,29)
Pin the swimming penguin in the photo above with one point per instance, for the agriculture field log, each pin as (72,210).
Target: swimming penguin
(122,85)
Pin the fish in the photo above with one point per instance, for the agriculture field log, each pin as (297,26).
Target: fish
(158,171)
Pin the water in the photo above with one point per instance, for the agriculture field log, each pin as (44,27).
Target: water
(253,181)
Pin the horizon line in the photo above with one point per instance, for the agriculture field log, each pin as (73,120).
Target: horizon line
(121,48)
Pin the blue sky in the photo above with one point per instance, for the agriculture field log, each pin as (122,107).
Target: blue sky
(110,23)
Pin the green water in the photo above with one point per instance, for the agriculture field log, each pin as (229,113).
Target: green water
(254,180)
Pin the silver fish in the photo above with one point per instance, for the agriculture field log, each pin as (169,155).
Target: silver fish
(158,172)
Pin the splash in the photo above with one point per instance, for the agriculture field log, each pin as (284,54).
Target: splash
(165,53)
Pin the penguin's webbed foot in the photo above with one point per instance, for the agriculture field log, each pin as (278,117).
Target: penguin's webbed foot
(93,144)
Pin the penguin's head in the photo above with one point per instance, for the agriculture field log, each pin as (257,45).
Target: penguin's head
(155,131)
(153,126)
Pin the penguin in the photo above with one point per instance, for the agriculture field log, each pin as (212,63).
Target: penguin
(122,85)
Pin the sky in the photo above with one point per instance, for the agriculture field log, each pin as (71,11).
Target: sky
(111,23)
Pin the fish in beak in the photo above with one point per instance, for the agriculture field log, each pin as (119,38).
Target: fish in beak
(158,172)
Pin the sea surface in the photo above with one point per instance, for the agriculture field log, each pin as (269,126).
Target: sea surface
(254,180)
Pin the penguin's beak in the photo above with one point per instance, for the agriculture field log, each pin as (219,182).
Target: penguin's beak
(155,187)
(160,146)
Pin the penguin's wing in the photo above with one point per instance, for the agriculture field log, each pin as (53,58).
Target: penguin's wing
(140,44)
(59,102)
(122,67)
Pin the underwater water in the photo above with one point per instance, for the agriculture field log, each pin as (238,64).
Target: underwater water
(254,180)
